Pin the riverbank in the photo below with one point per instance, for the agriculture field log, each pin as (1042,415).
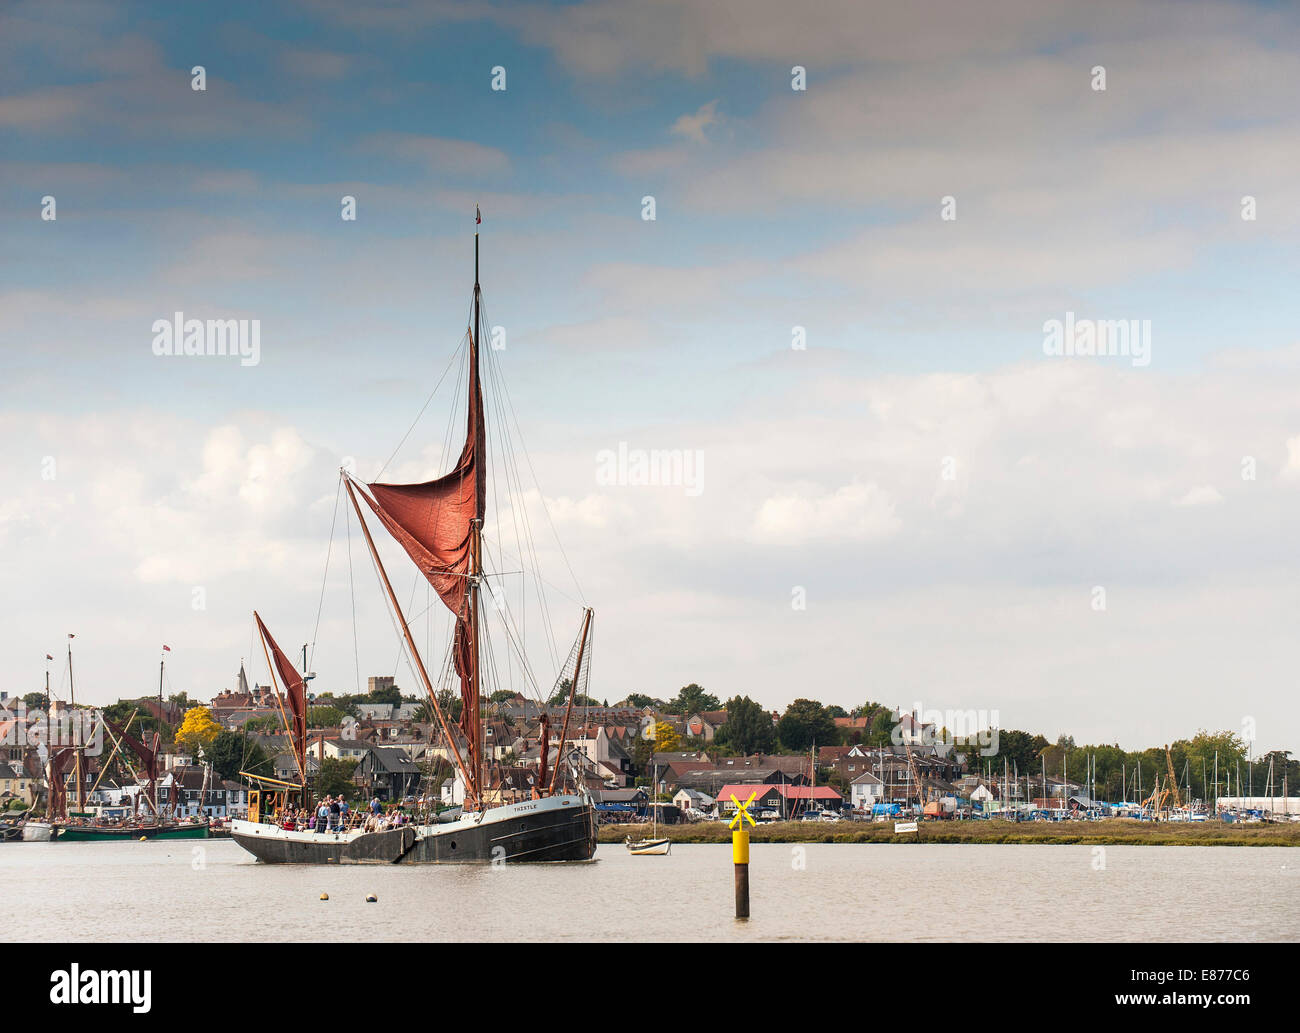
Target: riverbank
(1107,832)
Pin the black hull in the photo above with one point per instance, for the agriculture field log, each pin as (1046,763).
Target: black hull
(567,835)
(545,834)
(375,848)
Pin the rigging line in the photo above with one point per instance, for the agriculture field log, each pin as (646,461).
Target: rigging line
(528,459)
(392,616)
(352,590)
(506,461)
(338,493)
(517,644)
(415,583)
(485,541)
(527,539)
(462,375)
(418,415)
(519,510)
(528,543)
(506,554)
(517,503)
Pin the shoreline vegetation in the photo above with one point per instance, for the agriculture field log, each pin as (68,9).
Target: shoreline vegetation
(1107,832)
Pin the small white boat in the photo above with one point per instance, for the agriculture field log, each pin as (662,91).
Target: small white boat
(38,832)
(654,845)
(648,846)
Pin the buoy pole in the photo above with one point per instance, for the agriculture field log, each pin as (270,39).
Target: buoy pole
(740,858)
(740,852)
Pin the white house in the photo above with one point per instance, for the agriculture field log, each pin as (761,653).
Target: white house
(692,800)
(865,791)
(453,791)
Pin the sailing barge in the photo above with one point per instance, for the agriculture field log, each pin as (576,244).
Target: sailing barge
(439,524)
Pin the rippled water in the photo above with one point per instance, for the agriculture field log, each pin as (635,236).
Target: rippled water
(214,891)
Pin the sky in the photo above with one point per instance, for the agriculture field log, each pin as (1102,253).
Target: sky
(839,311)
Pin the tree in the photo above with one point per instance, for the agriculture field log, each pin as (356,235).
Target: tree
(666,737)
(197,730)
(640,700)
(748,728)
(230,753)
(335,777)
(325,717)
(34,700)
(691,699)
(804,723)
(390,694)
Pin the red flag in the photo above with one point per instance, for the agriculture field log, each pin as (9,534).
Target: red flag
(478,216)
(48,657)
(71,635)
(167,649)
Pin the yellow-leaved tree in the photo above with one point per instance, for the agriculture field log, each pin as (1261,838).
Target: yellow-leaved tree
(666,737)
(198,729)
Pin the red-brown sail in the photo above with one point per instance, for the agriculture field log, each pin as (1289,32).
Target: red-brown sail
(296,690)
(60,762)
(434,522)
(148,757)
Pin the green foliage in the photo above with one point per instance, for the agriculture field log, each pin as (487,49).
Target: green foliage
(691,699)
(229,753)
(804,723)
(748,728)
(335,777)
(392,694)
(325,716)
(640,700)
(34,700)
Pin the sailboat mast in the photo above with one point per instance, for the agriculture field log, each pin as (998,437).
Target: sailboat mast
(474,724)
(72,697)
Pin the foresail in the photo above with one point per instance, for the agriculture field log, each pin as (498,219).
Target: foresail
(294,687)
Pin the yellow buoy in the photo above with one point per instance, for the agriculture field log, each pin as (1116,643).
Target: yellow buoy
(143,838)
(324,896)
(371,898)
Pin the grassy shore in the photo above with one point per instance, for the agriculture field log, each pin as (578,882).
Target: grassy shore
(1110,831)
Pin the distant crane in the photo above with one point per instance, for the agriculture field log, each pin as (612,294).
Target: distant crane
(1173,779)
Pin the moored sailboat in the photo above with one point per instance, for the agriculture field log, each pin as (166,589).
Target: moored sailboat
(439,524)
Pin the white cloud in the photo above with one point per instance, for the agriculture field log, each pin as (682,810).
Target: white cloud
(693,126)
(1204,495)
(854,512)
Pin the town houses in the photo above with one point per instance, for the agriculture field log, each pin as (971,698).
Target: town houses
(688,760)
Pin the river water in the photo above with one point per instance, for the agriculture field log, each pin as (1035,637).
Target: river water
(213,890)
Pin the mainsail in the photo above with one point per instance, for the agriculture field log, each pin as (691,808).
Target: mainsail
(437,523)
(148,756)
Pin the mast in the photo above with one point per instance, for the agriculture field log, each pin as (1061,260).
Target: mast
(573,688)
(72,696)
(473,720)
